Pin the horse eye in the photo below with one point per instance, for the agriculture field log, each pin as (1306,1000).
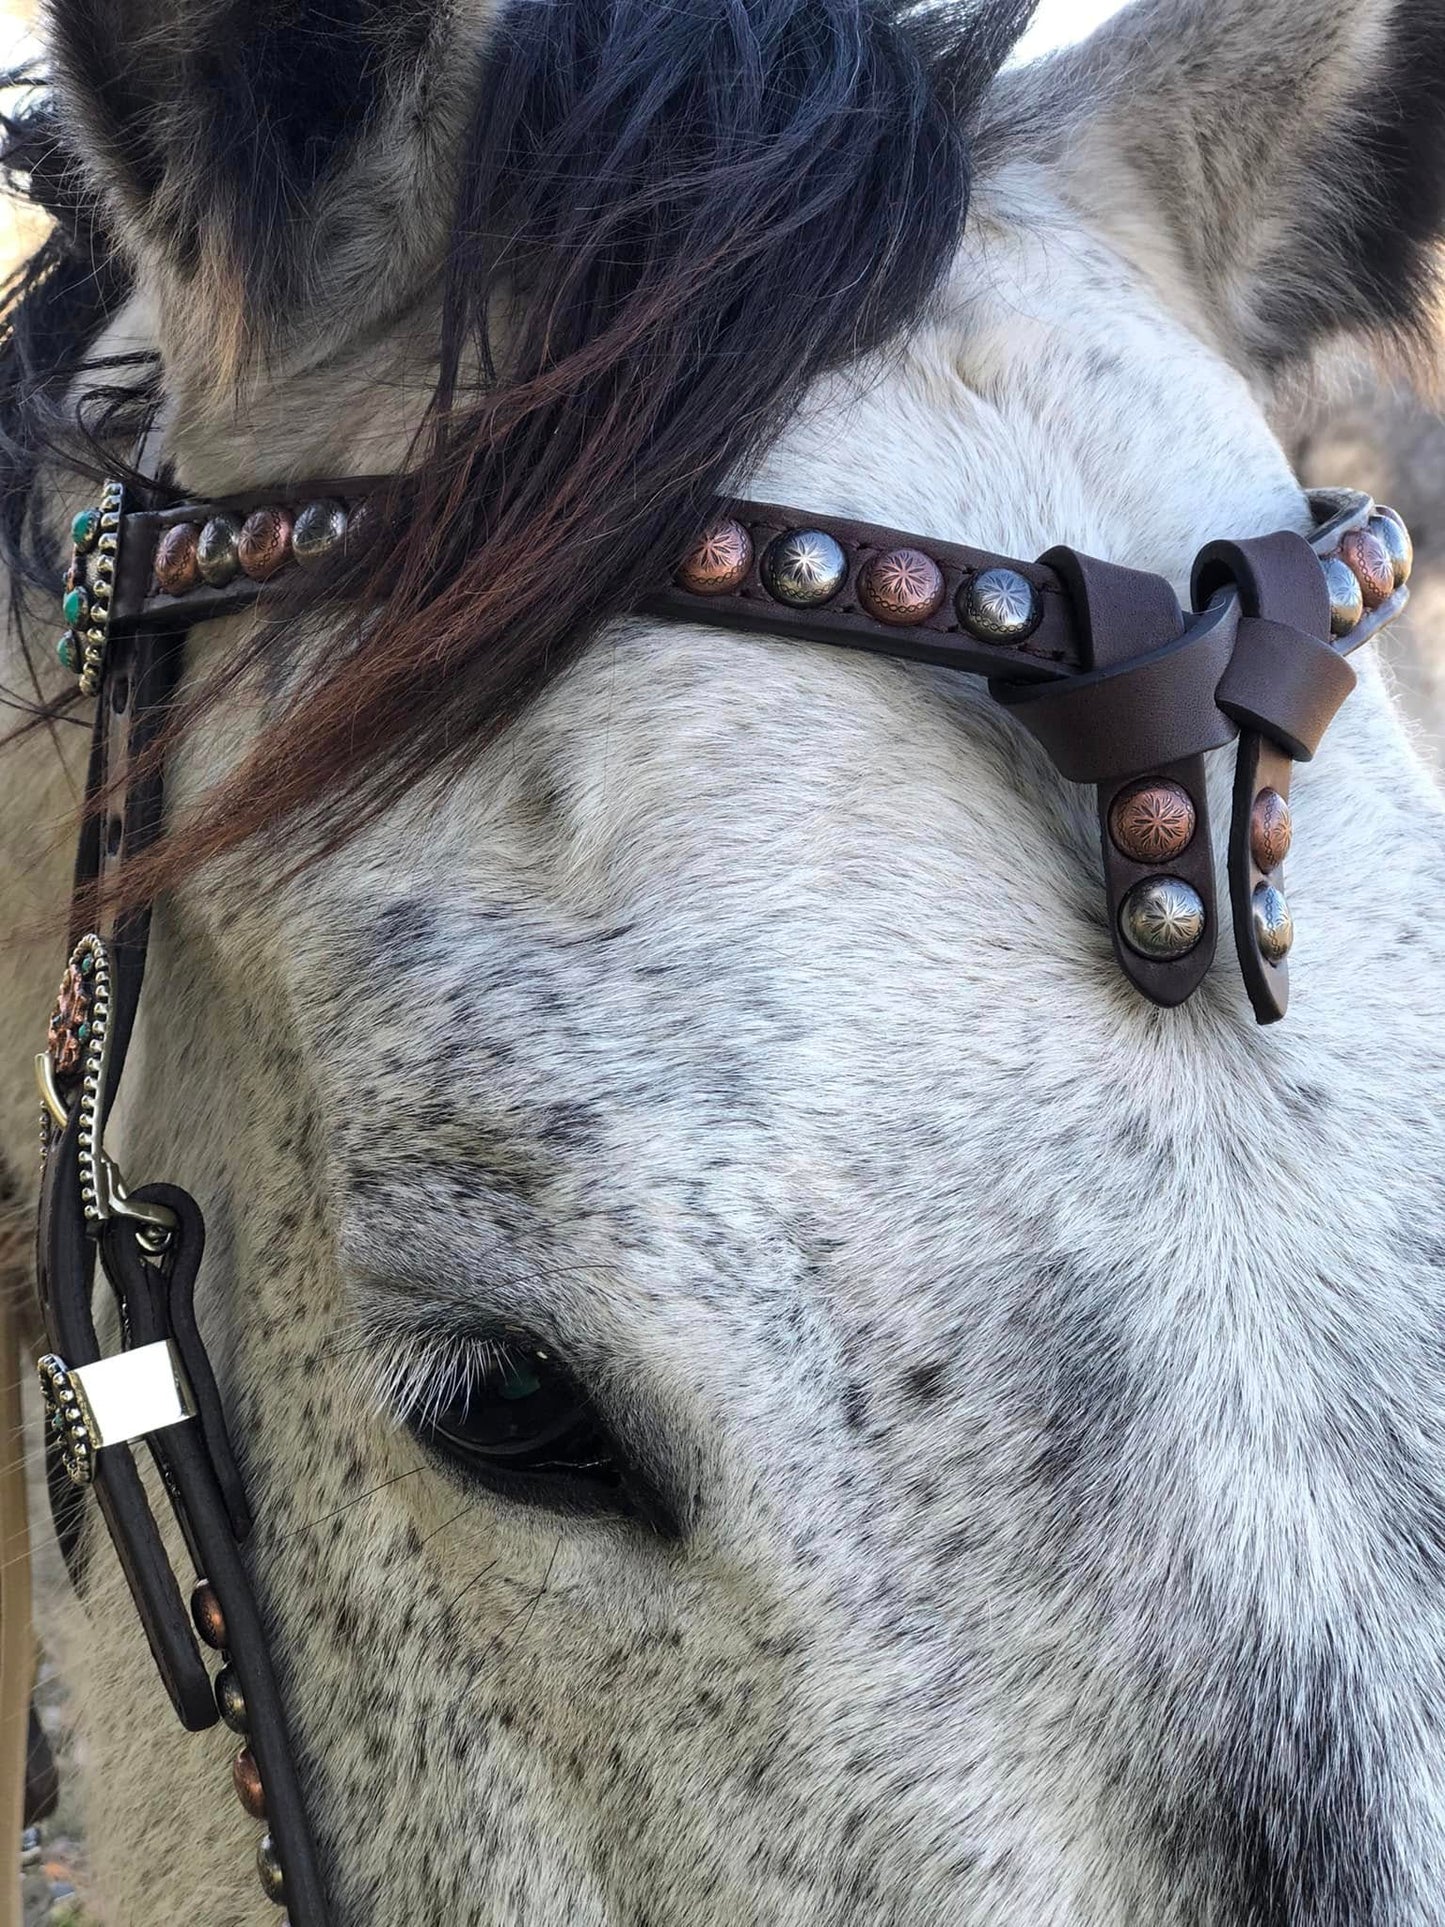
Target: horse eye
(521,1417)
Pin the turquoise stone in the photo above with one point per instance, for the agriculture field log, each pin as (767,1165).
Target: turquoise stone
(68,653)
(87,964)
(76,607)
(85,528)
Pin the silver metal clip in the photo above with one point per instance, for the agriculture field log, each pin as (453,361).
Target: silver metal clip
(111,1199)
(113,1401)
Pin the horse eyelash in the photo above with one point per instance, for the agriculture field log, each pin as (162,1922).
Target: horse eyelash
(413,1378)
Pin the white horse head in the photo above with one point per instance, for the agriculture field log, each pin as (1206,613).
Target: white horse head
(1004,1477)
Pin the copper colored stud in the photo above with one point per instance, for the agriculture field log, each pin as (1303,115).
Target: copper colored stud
(69,1023)
(246,1777)
(264,544)
(1270,830)
(1368,561)
(901,587)
(177,570)
(719,562)
(1152,822)
(210,1621)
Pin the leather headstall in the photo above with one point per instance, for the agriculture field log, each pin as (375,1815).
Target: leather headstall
(1124,690)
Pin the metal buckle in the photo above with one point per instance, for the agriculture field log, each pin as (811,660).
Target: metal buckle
(111,1198)
(113,1401)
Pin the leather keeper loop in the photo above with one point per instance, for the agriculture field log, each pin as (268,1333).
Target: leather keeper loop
(1156,709)
(1285,684)
(1276,575)
(1122,614)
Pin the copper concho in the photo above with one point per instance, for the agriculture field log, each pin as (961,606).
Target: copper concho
(177,569)
(246,1778)
(1152,821)
(207,1616)
(70,1021)
(263,547)
(1270,830)
(719,562)
(901,587)
(1368,561)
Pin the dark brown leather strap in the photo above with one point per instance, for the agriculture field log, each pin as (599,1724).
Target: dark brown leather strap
(1098,662)
(152,1271)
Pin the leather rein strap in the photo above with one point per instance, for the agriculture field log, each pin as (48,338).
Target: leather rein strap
(147,1245)
(1122,688)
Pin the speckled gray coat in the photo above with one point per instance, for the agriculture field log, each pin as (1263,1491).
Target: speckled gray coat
(1056,1382)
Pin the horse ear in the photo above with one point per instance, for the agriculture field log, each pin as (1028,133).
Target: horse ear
(267,165)
(1283,159)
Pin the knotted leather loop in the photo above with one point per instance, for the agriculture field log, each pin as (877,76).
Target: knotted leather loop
(1122,721)
(1285,684)
(1283,687)
(1287,681)
(1121,613)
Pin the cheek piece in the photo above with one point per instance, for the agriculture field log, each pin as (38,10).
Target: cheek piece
(1123,689)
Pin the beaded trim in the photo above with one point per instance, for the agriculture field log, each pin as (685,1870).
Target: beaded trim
(68,1419)
(89,587)
(81,1019)
(212,554)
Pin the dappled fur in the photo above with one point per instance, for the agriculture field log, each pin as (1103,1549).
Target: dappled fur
(1043,1389)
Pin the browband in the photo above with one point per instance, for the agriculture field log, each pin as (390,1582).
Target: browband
(1124,690)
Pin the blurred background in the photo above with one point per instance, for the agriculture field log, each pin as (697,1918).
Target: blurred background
(1355,427)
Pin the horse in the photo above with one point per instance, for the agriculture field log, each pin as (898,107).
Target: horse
(989,1463)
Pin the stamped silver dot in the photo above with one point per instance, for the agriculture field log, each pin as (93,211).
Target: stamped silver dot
(1389,530)
(216,554)
(231,1701)
(805,568)
(1347,598)
(1273,924)
(1000,605)
(268,1866)
(1162,918)
(318,531)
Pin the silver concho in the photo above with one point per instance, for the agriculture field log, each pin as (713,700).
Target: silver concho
(231,1701)
(1273,924)
(1347,598)
(319,530)
(1388,528)
(217,556)
(1162,918)
(1000,605)
(804,569)
(268,1866)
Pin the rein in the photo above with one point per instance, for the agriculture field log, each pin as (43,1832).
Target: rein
(1124,690)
